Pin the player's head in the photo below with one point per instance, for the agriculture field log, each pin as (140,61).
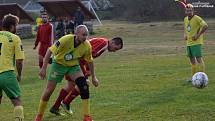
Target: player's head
(189,10)
(10,22)
(44,18)
(115,44)
(81,33)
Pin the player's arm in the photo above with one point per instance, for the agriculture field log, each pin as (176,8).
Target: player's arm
(203,28)
(19,56)
(19,66)
(88,57)
(95,81)
(42,72)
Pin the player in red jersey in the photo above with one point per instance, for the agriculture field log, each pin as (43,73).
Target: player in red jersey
(45,37)
(99,46)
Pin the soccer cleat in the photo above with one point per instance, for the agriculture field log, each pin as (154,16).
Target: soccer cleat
(19,119)
(87,118)
(38,117)
(66,108)
(189,81)
(56,112)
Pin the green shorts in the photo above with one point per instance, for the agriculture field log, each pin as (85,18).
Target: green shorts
(57,71)
(9,84)
(194,51)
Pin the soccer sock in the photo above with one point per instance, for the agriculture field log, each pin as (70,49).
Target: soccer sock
(40,64)
(86,107)
(193,69)
(72,95)
(42,107)
(202,67)
(62,95)
(18,113)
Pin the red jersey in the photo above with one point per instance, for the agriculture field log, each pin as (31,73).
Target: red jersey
(44,37)
(99,45)
(44,34)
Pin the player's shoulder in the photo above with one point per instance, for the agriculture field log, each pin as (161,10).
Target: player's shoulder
(68,37)
(87,43)
(15,37)
(197,17)
(11,36)
(185,18)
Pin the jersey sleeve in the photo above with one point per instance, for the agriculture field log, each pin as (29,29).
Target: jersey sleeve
(88,55)
(55,47)
(59,44)
(201,22)
(19,51)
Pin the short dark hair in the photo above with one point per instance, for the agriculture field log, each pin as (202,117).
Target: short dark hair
(8,21)
(118,41)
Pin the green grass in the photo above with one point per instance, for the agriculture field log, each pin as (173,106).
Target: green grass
(146,81)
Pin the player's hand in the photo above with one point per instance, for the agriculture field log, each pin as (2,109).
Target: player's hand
(88,81)
(95,81)
(35,47)
(42,73)
(194,38)
(185,37)
(18,78)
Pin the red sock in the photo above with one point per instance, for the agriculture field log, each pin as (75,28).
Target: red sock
(40,64)
(72,95)
(62,95)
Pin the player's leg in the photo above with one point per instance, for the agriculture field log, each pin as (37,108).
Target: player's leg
(190,54)
(201,64)
(193,65)
(42,52)
(63,93)
(44,99)
(18,109)
(81,82)
(199,59)
(71,96)
(12,90)
(73,93)
(55,76)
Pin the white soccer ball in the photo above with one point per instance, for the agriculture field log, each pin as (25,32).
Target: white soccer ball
(200,80)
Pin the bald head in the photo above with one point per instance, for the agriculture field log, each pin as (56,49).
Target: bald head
(81,28)
(81,33)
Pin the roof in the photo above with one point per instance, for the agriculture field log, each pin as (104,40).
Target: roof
(14,9)
(63,8)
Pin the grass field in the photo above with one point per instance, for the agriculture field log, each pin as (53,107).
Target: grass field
(146,81)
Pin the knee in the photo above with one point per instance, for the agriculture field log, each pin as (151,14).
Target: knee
(83,87)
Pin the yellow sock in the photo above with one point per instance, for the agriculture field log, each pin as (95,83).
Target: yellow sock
(193,69)
(42,107)
(202,67)
(86,107)
(18,113)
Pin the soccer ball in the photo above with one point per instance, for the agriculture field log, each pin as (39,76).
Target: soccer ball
(200,80)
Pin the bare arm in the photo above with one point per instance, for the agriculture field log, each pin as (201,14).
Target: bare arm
(42,72)
(19,65)
(204,28)
(95,81)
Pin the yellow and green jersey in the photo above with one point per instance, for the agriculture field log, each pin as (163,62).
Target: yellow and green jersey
(10,50)
(192,27)
(65,52)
